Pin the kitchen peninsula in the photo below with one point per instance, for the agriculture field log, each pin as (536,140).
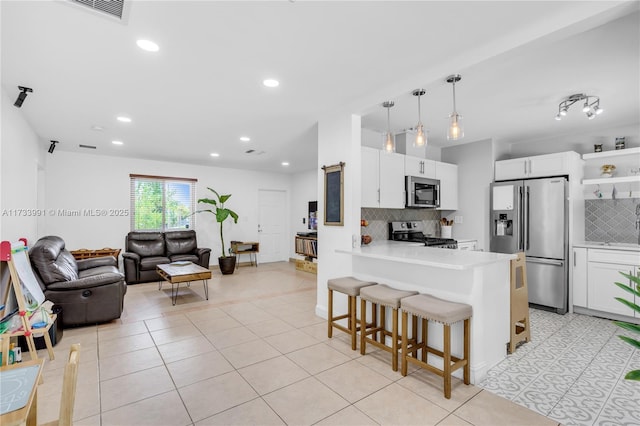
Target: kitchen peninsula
(480,279)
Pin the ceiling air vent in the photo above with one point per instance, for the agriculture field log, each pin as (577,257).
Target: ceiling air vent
(87,146)
(110,7)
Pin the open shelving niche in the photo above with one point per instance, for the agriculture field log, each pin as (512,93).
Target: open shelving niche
(307,246)
(624,160)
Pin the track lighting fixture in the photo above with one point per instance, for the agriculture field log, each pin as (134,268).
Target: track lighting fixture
(389,142)
(52,146)
(421,137)
(591,106)
(455,130)
(22,95)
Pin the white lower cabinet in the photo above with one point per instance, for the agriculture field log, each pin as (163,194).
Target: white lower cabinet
(580,277)
(467,245)
(595,272)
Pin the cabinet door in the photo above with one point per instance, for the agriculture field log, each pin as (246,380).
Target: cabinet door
(580,277)
(392,180)
(417,166)
(467,245)
(511,169)
(602,290)
(448,176)
(548,165)
(370,195)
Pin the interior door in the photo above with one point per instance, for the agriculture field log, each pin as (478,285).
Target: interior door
(272,225)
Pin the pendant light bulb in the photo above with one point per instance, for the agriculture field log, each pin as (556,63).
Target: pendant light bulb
(455,130)
(389,142)
(421,137)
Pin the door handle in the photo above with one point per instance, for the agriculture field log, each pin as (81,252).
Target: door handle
(546,261)
(259,229)
(526,220)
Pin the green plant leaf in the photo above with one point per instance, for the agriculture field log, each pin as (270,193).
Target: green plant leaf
(630,341)
(629,304)
(234,215)
(207,201)
(633,375)
(627,325)
(627,288)
(224,198)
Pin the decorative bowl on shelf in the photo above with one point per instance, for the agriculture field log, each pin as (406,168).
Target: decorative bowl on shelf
(607,170)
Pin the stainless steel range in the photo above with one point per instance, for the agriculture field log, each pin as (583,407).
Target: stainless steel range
(414,232)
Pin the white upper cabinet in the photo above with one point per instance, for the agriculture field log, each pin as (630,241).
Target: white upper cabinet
(536,166)
(421,167)
(370,177)
(382,179)
(448,176)
(392,180)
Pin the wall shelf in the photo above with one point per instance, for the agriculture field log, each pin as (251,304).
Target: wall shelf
(621,179)
(613,153)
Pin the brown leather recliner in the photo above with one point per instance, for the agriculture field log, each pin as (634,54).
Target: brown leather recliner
(89,291)
(146,250)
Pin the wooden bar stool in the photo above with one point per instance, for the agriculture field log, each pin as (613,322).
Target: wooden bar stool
(427,308)
(519,324)
(351,287)
(386,297)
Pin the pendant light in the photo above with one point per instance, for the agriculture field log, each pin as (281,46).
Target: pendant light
(389,142)
(455,130)
(421,137)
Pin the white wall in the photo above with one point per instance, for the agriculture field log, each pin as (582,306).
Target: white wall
(338,140)
(21,154)
(475,173)
(304,188)
(85,181)
(579,142)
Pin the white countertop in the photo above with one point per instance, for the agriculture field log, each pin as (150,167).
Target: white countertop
(608,246)
(418,254)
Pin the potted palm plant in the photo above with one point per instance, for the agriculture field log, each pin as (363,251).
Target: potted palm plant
(226,263)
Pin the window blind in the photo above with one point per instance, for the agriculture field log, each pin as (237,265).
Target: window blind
(161,203)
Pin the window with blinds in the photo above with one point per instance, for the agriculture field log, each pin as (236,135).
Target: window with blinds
(160,203)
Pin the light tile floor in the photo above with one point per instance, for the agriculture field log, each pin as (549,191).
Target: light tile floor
(256,354)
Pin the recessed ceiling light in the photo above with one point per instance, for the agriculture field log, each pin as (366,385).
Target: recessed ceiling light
(245,138)
(124,119)
(97,128)
(285,163)
(117,142)
(147,45)
(270,82)
(215,154)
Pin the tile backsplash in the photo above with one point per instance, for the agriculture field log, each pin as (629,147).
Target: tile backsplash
(611,220)
(378,220)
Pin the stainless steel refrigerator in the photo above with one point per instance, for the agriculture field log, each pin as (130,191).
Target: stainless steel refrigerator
(531,215)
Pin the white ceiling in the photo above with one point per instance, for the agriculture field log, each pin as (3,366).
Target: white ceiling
(203,90)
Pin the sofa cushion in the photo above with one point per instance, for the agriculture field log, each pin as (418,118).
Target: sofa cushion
(150,263)
(185,257)
(146,243)
(180,242)
(52,261)
(98,271)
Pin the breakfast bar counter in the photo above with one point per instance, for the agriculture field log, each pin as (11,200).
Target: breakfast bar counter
(480,279)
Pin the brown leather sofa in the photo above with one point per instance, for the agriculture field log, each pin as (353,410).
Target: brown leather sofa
(89,291)
(146,250)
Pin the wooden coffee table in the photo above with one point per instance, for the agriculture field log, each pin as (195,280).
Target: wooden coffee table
(181,272)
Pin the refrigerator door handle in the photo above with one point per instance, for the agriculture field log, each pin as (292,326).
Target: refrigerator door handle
(546,261)
(520,219)
(526,219)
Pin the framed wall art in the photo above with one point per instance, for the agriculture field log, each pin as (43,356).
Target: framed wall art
(334,194)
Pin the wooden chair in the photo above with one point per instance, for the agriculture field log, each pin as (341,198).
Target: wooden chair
(69,381)
(351,287)
(519,324)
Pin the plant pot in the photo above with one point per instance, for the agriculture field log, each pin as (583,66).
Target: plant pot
(227,264)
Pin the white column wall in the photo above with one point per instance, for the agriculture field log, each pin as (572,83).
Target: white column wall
(21,154)
(338,140)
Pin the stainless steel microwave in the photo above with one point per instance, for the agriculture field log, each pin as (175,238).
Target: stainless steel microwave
(422,192)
